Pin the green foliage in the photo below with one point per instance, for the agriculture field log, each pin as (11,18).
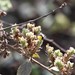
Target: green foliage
(61,22)
(5,4)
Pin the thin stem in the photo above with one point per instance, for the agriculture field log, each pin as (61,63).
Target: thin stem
(43,66)
(20,24)
(54,43)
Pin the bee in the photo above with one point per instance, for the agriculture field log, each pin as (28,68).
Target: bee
(40,38)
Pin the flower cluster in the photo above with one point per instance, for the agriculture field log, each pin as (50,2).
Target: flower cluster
(60,61)
(3,49)
(29,39)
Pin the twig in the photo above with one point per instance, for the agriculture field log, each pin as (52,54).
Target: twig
(20,24)
(53,42)
(43,66)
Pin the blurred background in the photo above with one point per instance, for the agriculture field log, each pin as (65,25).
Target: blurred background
(59,26)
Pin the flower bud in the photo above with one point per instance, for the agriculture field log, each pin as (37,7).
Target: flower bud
(57,53)
(49,48)
(30,35)
(70,64)
(59,63)
(29,26)
(36,29)
(71,51)
(24,31)
(35,42)
(15,30)
(23,41)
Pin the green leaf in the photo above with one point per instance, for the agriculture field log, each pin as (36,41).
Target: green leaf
(25,68)
(5,4)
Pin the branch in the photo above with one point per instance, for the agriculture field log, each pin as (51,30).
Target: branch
(21,24)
